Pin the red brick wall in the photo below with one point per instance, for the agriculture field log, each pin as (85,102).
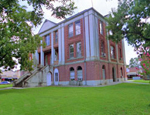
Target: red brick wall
(102,38)
(73,40)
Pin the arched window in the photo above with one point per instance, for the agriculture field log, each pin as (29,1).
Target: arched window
(79,73)
(72,74)
(103,71)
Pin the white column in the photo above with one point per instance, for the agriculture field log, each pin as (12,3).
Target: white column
(86,18)
(37,57)
(42,54)
(96,36)
(92,35)
(117,53)
(52,49)
(63,44)
(59,45)
(123,49)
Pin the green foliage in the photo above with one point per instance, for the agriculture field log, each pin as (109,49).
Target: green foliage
(130,21)
(16,37)
(121,99)
(134,62)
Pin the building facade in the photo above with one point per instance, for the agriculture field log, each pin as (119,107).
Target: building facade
(79,52)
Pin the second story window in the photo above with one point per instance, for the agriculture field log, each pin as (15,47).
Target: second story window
(101,27)
(120,53)
(79,49)
(47,40)
(71,51)
(112,52)
(56,37)
(70,30)
(102,48)
(78,27)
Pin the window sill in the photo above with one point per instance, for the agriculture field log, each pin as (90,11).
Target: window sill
(73,36)
(75,58)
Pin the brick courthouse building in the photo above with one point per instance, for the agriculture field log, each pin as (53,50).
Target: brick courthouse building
(79,53)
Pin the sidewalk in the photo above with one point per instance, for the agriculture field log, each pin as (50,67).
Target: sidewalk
(11,88)
(135,82)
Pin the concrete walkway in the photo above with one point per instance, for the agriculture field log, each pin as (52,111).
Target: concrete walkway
(136,82)
(11,88)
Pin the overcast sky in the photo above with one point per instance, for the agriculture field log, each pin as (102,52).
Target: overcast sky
(102,6)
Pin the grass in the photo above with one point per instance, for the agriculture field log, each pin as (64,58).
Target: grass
(121,99)
(142,81)
(6,85)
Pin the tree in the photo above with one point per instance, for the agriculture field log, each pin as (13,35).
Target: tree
(16,37)
(131,21)
(134,62)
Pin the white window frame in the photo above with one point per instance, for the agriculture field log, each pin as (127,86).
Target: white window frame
(101,27)
(78,52)
(78,30)
(70,33)
(71,54)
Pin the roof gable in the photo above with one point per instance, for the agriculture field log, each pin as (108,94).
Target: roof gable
(46,25)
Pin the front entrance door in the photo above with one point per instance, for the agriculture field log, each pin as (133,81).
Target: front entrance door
(56,79)
(48,79)
(113,74)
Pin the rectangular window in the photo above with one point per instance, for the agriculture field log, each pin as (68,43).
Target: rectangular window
(55,56)
(47,40)
(78,27)
(101,27)
(79,49)
(112,52)
(70,29)
(56,36)
(120,54)
(71,51)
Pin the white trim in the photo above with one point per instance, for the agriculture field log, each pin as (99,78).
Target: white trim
(86,18)
(73,20)
(59,44)
(52,48)
(48,80)
(124,55)
(42,54)
(92,36)
(49,31)
(63,45)
(56,71)
(96,36)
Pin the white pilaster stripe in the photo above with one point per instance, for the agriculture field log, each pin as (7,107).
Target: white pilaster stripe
(86,18)
(52,48)
(59,44)
(42,54)
(63,45)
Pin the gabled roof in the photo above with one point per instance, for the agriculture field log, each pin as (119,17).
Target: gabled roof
(47,25)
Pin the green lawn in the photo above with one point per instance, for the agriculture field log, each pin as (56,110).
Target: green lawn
(121,99)
(4,86)
(142,81)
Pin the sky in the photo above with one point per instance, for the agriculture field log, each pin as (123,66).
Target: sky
(102,6)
